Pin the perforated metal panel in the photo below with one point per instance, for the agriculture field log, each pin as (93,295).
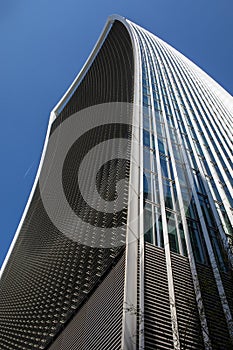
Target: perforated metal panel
(98,324)
(48,276)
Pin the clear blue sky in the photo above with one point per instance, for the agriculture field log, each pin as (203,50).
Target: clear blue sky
(44,45)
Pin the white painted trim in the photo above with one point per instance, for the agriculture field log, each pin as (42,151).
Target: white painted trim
(171,291)
(197,289)
(215,269)
(129,321)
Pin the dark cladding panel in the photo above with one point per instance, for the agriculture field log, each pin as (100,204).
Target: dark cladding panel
(49,276)
(190,332)
(227,280)
(98,325)
(110,77)
(158,328)
(216,321)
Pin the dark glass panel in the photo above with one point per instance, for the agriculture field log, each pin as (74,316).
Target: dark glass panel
(196,242)
(147,186)
(146,138)
(148,226)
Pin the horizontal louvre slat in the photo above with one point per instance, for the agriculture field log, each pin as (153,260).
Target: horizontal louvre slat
(158,333)
(190,332)
(213,309)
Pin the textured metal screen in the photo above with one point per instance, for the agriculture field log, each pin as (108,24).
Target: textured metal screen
(110,77)
(158,322)
(220,338)
(158,330)
(190,332)
(48,276)
(100,316)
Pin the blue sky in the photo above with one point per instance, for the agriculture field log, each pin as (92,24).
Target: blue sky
(44,45)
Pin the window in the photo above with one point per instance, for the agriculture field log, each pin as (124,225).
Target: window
(196,242)
(207,211)
(181,174)
(164,166)
(146,112)
(146,123)
(161,143)
(160,129)
(147,186)
(158,227)
(146,158)
(218,250)
(176,152)
(167,194)
(182,237)
(146,138)
(148,226)
(155,189)
(172,233)
(158,116)
(172,133)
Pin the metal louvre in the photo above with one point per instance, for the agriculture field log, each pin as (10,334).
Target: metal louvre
(98,325)
(157,317)
(219,335)
(227,279)
(190,333)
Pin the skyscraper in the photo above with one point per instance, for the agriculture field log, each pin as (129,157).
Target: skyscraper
(126,240)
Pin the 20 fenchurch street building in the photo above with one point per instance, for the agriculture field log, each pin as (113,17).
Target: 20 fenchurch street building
(126,240)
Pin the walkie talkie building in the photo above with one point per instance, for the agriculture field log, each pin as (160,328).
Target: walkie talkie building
(126,240)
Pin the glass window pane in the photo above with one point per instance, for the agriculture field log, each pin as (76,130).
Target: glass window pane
(181,174)
(160,129)
(146,123)
(146,138)
(146,158)
(156,189)
(196,242)
(148,227)
(161,143)
(167,194)
(163,162)
(154,163)
(218,250)
(182,237)
(147,185)
(158,115)
(172,233)
(176,152)
(146,111)
(158,227)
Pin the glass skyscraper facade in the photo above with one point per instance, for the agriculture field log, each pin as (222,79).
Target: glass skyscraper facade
(143,258)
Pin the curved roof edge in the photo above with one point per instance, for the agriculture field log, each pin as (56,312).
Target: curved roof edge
(108,25)
(53,115)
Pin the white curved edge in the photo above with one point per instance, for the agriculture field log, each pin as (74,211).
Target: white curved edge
(53,116)
(28,202)
(65,98)
(129,319)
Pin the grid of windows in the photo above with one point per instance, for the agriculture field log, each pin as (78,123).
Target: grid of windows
(187,178)
(179,134)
